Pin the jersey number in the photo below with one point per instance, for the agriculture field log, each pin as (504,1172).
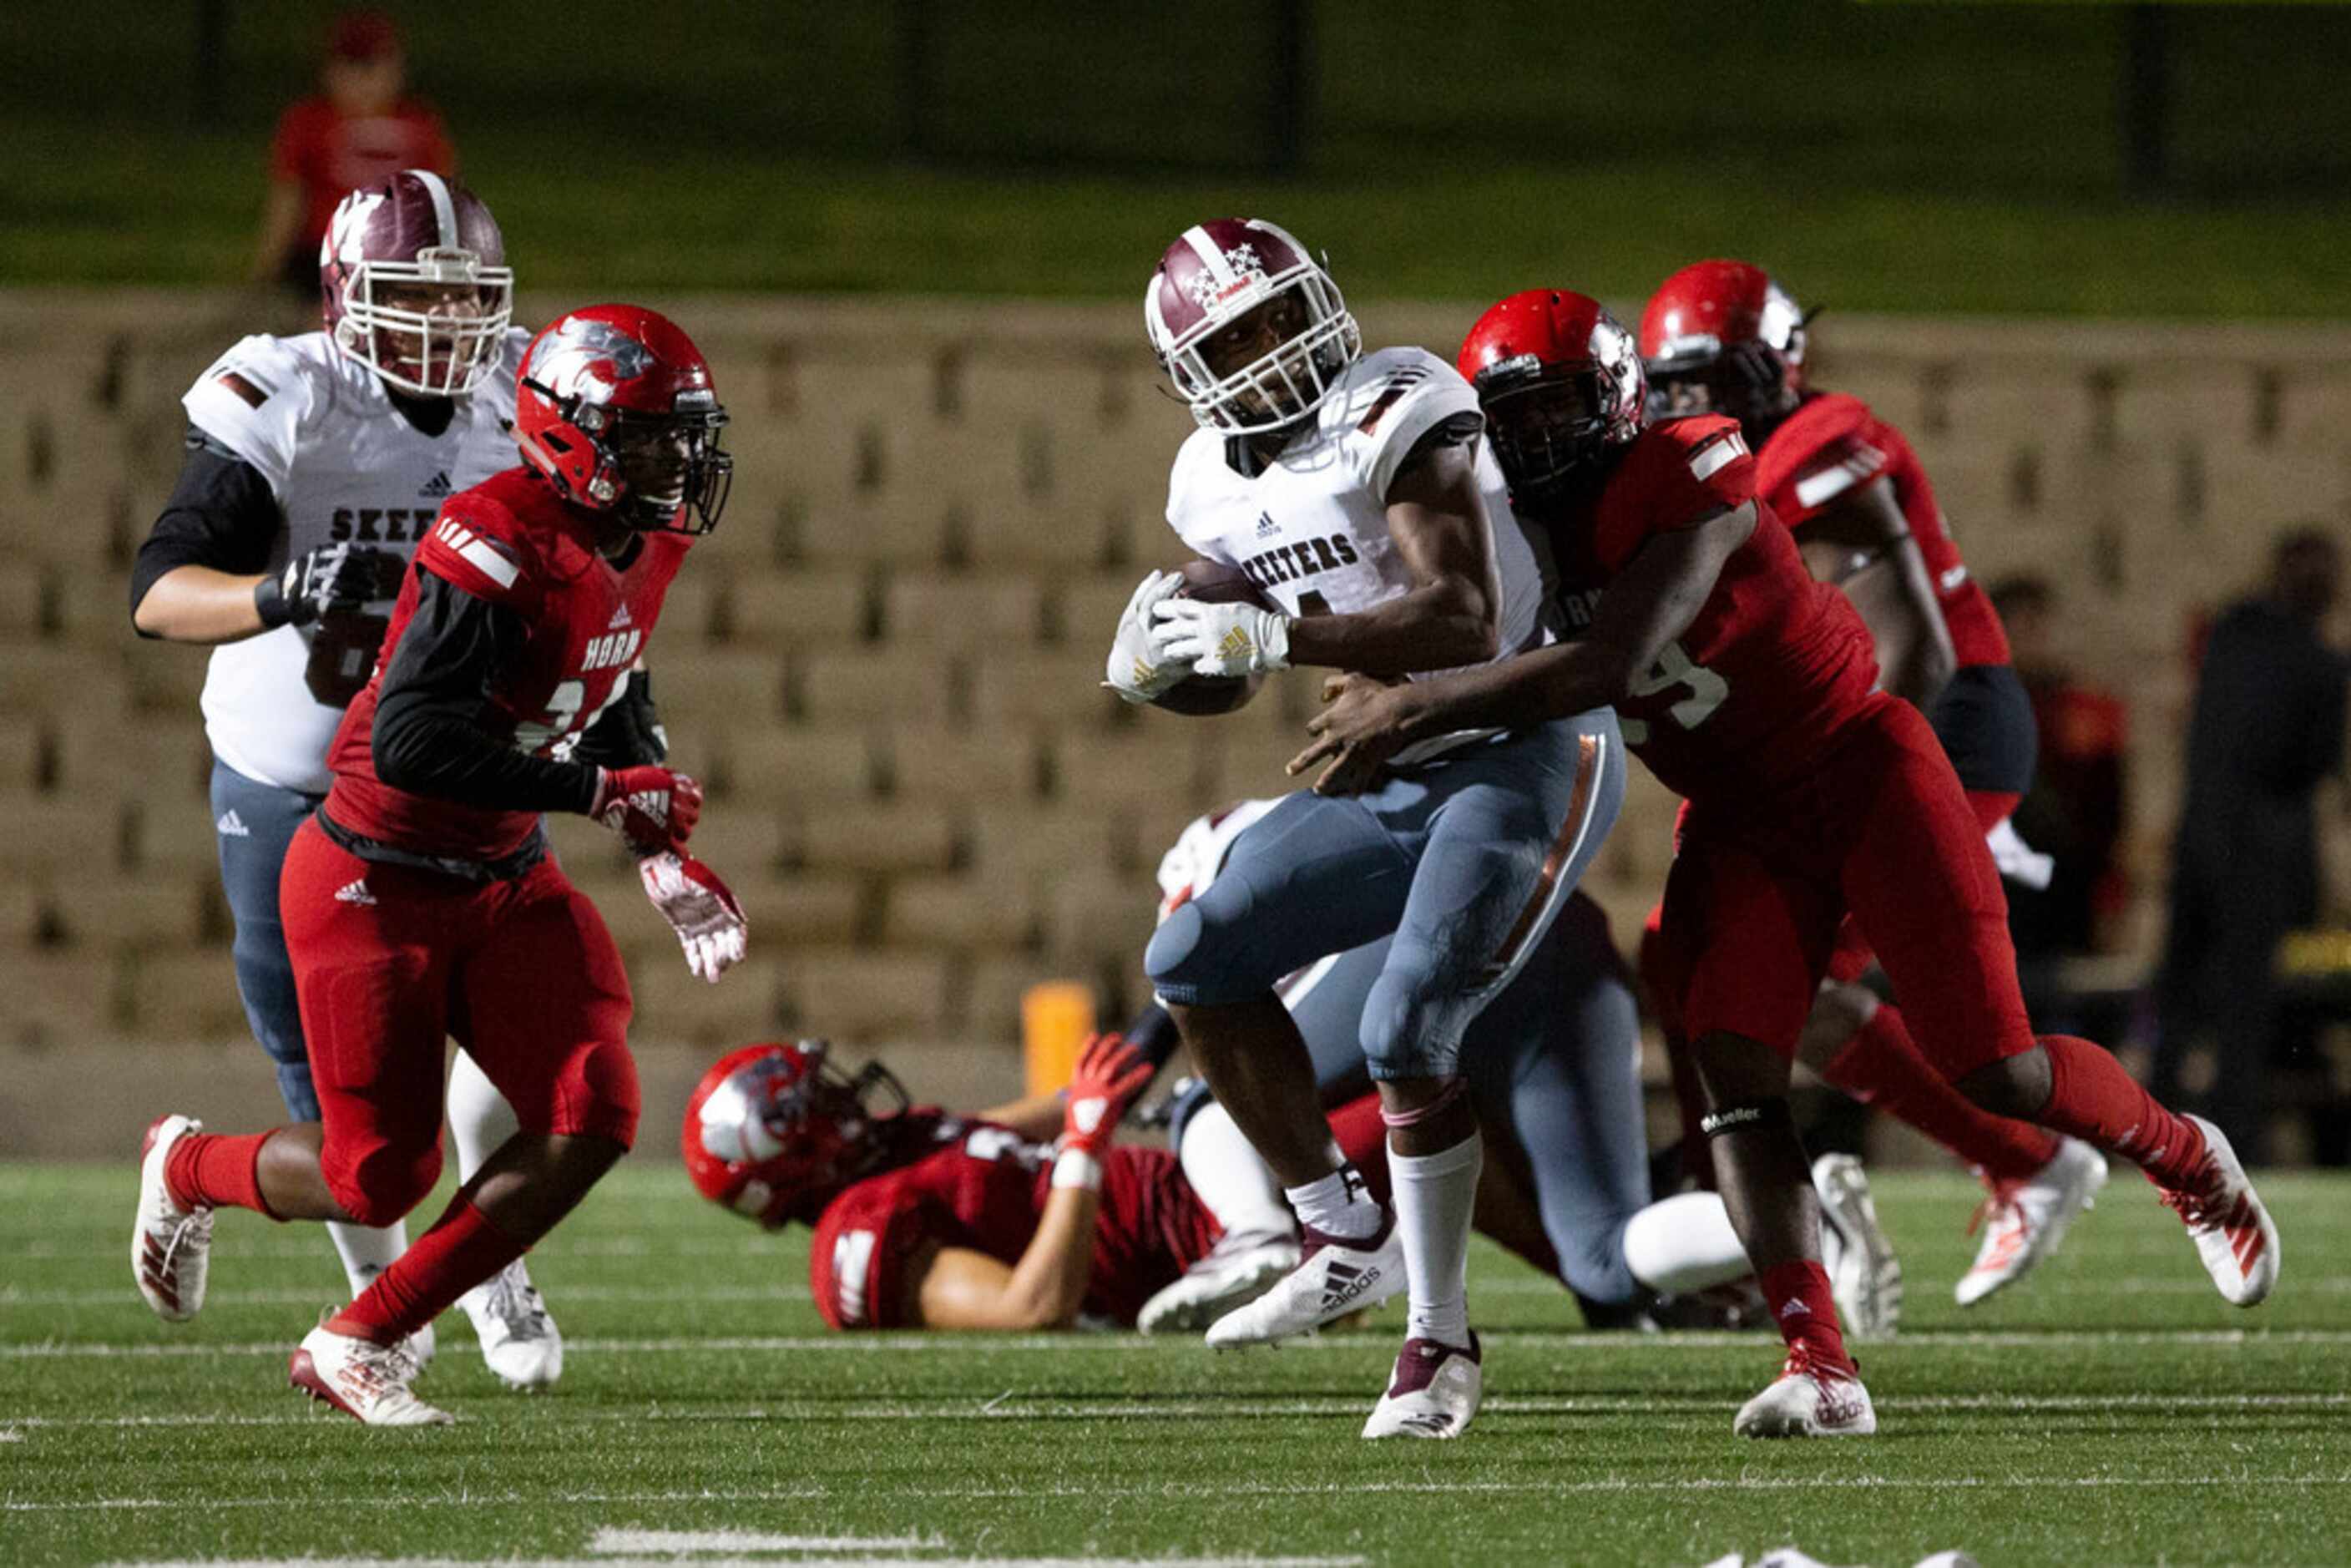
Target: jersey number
(1673,669)
(561,727)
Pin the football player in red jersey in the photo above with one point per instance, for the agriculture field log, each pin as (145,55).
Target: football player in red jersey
(421,902)
(1749,689)
(1723,336)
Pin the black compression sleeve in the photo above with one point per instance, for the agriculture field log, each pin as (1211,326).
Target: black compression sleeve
(221,515)
(1152,1033)
(428,737)
(627,733)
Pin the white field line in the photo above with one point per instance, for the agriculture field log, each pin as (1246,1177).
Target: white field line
(704,1561)
(678,1543)
(1016,1409)
(1563,1339)
(1220,1491)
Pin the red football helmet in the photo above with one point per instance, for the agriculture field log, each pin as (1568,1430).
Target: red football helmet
(616,408)
(414,284)
(1722,336)
(775,1131)
(1560,383)
(1216,274)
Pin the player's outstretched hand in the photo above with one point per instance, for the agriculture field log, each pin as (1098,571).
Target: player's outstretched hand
(1109,1074)
(654,808)
(1363,721)
(1219,640)
(700,908)
(341,576)
(1133,670)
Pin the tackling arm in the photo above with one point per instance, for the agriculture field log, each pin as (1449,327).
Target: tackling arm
(958,1288)
(1863,545)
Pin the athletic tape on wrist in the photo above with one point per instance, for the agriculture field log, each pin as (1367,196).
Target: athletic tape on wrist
(1446,1096)
(1076,1167)
(1749,1116)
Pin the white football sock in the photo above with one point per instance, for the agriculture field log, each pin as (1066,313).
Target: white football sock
(1435,1196)
(1229,1177)
(367,1250)
(479,1117)
(1684,1243)
(1339,1204)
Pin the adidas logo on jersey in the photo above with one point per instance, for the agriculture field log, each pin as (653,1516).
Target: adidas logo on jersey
(619,619)
(1342,1282)
(1266,527)
(435,488)
(355,892)
(231,826)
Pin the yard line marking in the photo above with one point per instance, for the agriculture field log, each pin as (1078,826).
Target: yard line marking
(612,1539)
(832,1562)
(1010,1407)
(1225,1490)
(18,1296)
(1561,1339)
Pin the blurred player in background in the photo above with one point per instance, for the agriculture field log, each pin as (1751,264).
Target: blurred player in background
(1723,337)
(420,899)
(1750,690)
(360,129)
(1356,491)
(314,465)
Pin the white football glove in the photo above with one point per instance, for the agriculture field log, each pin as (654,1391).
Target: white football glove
(1133,670)
(699,908)
(1225,640)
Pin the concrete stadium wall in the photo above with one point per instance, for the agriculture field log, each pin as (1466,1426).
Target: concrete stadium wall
(886,662)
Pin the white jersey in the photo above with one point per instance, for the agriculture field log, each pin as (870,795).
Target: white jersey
(343,464)
(1311,529)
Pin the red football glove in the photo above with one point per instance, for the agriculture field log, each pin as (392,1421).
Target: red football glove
(654,808)
(1109,1075)
(699,908)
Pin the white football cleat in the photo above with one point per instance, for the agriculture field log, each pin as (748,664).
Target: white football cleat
(171,1246)
(1805,1401)
(1434,1393)
(519,1341)
(1864,1276)
(364,1380)
(424,1345)
(1333,1277)
(2023,1221)
(2232,1231)
(1236,1271)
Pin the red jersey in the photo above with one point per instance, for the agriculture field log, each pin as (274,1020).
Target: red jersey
(1773,666)
(1833,445)
(331,155)
(512,543)
(984,1187)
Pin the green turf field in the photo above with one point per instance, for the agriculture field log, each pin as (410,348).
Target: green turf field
(2111,1410)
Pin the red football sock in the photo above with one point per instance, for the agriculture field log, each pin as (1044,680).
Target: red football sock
(1882,1066)
(461,1251)
(217,1170)
(1801,1305)
(2091,1097)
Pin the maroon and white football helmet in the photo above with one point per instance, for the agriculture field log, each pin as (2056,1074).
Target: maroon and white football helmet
(1560,383)
(612,392)
(773,1132)
(415,283)
(1218,272)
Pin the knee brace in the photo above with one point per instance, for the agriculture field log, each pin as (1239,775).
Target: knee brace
(1747,1116)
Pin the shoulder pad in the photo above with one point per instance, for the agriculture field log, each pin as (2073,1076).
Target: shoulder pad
(1677,471)
(475,544)
(251,401)
(1390,398)
(1818,453)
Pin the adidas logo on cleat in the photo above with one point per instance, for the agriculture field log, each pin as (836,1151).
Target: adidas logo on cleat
(1342,1282)
(435,488)
(1795,1309)
(231,826)
(355,892)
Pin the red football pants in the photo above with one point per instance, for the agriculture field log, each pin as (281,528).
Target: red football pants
(1853,956)
(389,961)
(1882,828)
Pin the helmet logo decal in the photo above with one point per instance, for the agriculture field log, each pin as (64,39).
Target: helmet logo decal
(1243,259)
(346,239)
(582,351)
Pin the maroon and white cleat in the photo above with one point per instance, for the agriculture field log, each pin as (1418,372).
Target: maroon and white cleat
(364,1380)
(1808,1400)
(1434,1393)
(2232,1231)
(170,1244)
(1334,1276)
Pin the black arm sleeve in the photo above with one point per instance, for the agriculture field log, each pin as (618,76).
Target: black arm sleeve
(428,737)
(1152,1033)
(627,733)
(221,515)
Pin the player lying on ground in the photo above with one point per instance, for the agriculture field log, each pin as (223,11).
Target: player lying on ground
(1356,491)
(1749,689)
(420,899)
(1553,1069)
(313,466)
(1722,336)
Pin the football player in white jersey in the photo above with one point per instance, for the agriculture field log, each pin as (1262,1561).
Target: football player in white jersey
(314,466)
(1359,496)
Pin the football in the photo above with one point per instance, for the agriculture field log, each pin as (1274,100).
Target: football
(1199,696)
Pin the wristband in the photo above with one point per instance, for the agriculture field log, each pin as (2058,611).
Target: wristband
(1076,1167)
(269,599)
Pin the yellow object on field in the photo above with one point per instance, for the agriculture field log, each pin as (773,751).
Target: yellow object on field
(1056,1016)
